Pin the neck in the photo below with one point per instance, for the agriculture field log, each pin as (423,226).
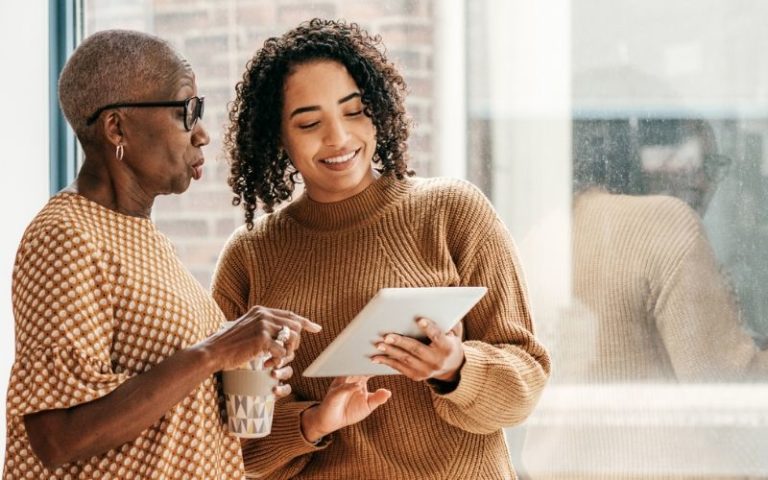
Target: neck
(112,186)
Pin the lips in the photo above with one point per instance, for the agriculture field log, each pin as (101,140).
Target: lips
(344,157)
(197,170)
(340,161)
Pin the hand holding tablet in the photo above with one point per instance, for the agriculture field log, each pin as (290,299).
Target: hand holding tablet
(391,310)
(439,358)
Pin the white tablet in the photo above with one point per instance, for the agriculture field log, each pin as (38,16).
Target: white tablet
(391,310)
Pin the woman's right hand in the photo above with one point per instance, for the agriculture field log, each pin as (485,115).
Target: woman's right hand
(348,401)
(256,333)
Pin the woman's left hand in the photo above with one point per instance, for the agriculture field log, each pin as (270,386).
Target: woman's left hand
(441,359)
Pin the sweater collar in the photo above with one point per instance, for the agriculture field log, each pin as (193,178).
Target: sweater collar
(354,211)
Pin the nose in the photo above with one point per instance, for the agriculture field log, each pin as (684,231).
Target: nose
(200,136)
(336,134)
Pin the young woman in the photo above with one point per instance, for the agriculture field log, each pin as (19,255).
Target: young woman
(323,102)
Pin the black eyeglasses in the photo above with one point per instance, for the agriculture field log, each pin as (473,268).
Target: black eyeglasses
(193,109)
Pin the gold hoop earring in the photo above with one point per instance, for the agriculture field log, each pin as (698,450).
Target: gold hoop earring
(119,152)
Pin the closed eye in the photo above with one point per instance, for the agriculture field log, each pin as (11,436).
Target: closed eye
(306,126)
(354,114)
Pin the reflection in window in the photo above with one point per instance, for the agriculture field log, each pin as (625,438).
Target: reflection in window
(646,250)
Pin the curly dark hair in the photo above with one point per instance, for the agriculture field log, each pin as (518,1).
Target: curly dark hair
(260,170)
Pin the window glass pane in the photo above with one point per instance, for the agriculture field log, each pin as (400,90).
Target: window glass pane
(622,142)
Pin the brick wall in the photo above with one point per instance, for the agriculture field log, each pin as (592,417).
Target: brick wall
(218,38)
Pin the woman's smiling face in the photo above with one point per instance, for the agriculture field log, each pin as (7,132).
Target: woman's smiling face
(327,136)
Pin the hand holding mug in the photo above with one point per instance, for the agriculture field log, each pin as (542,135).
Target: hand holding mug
(256,333)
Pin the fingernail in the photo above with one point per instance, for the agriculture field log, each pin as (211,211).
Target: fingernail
(381,347)
(390,339)
(376,360)
(422,322)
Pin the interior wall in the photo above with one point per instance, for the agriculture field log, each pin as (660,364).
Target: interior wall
(24,184)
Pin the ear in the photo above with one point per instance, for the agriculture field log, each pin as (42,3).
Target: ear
(112,124)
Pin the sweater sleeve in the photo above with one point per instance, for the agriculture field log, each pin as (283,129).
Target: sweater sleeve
(699,322)
(505,368)
(231,282)
(285,452)
(64,323)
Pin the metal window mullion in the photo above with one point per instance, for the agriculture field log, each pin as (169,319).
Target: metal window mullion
(65,30)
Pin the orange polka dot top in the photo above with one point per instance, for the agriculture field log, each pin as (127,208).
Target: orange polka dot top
(97,298)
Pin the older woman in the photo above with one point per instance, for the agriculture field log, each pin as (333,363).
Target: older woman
(324,102)
(116,343)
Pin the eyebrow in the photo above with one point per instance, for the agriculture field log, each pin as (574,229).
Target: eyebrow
(313,108)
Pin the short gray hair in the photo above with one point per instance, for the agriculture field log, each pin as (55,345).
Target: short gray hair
(114,66)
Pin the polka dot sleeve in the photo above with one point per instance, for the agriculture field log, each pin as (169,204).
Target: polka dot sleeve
(64,319)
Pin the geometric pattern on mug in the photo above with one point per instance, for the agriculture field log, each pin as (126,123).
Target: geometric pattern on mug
(250,415)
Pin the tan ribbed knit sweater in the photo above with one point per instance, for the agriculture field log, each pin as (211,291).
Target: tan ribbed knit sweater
(659,308)
(325,261)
